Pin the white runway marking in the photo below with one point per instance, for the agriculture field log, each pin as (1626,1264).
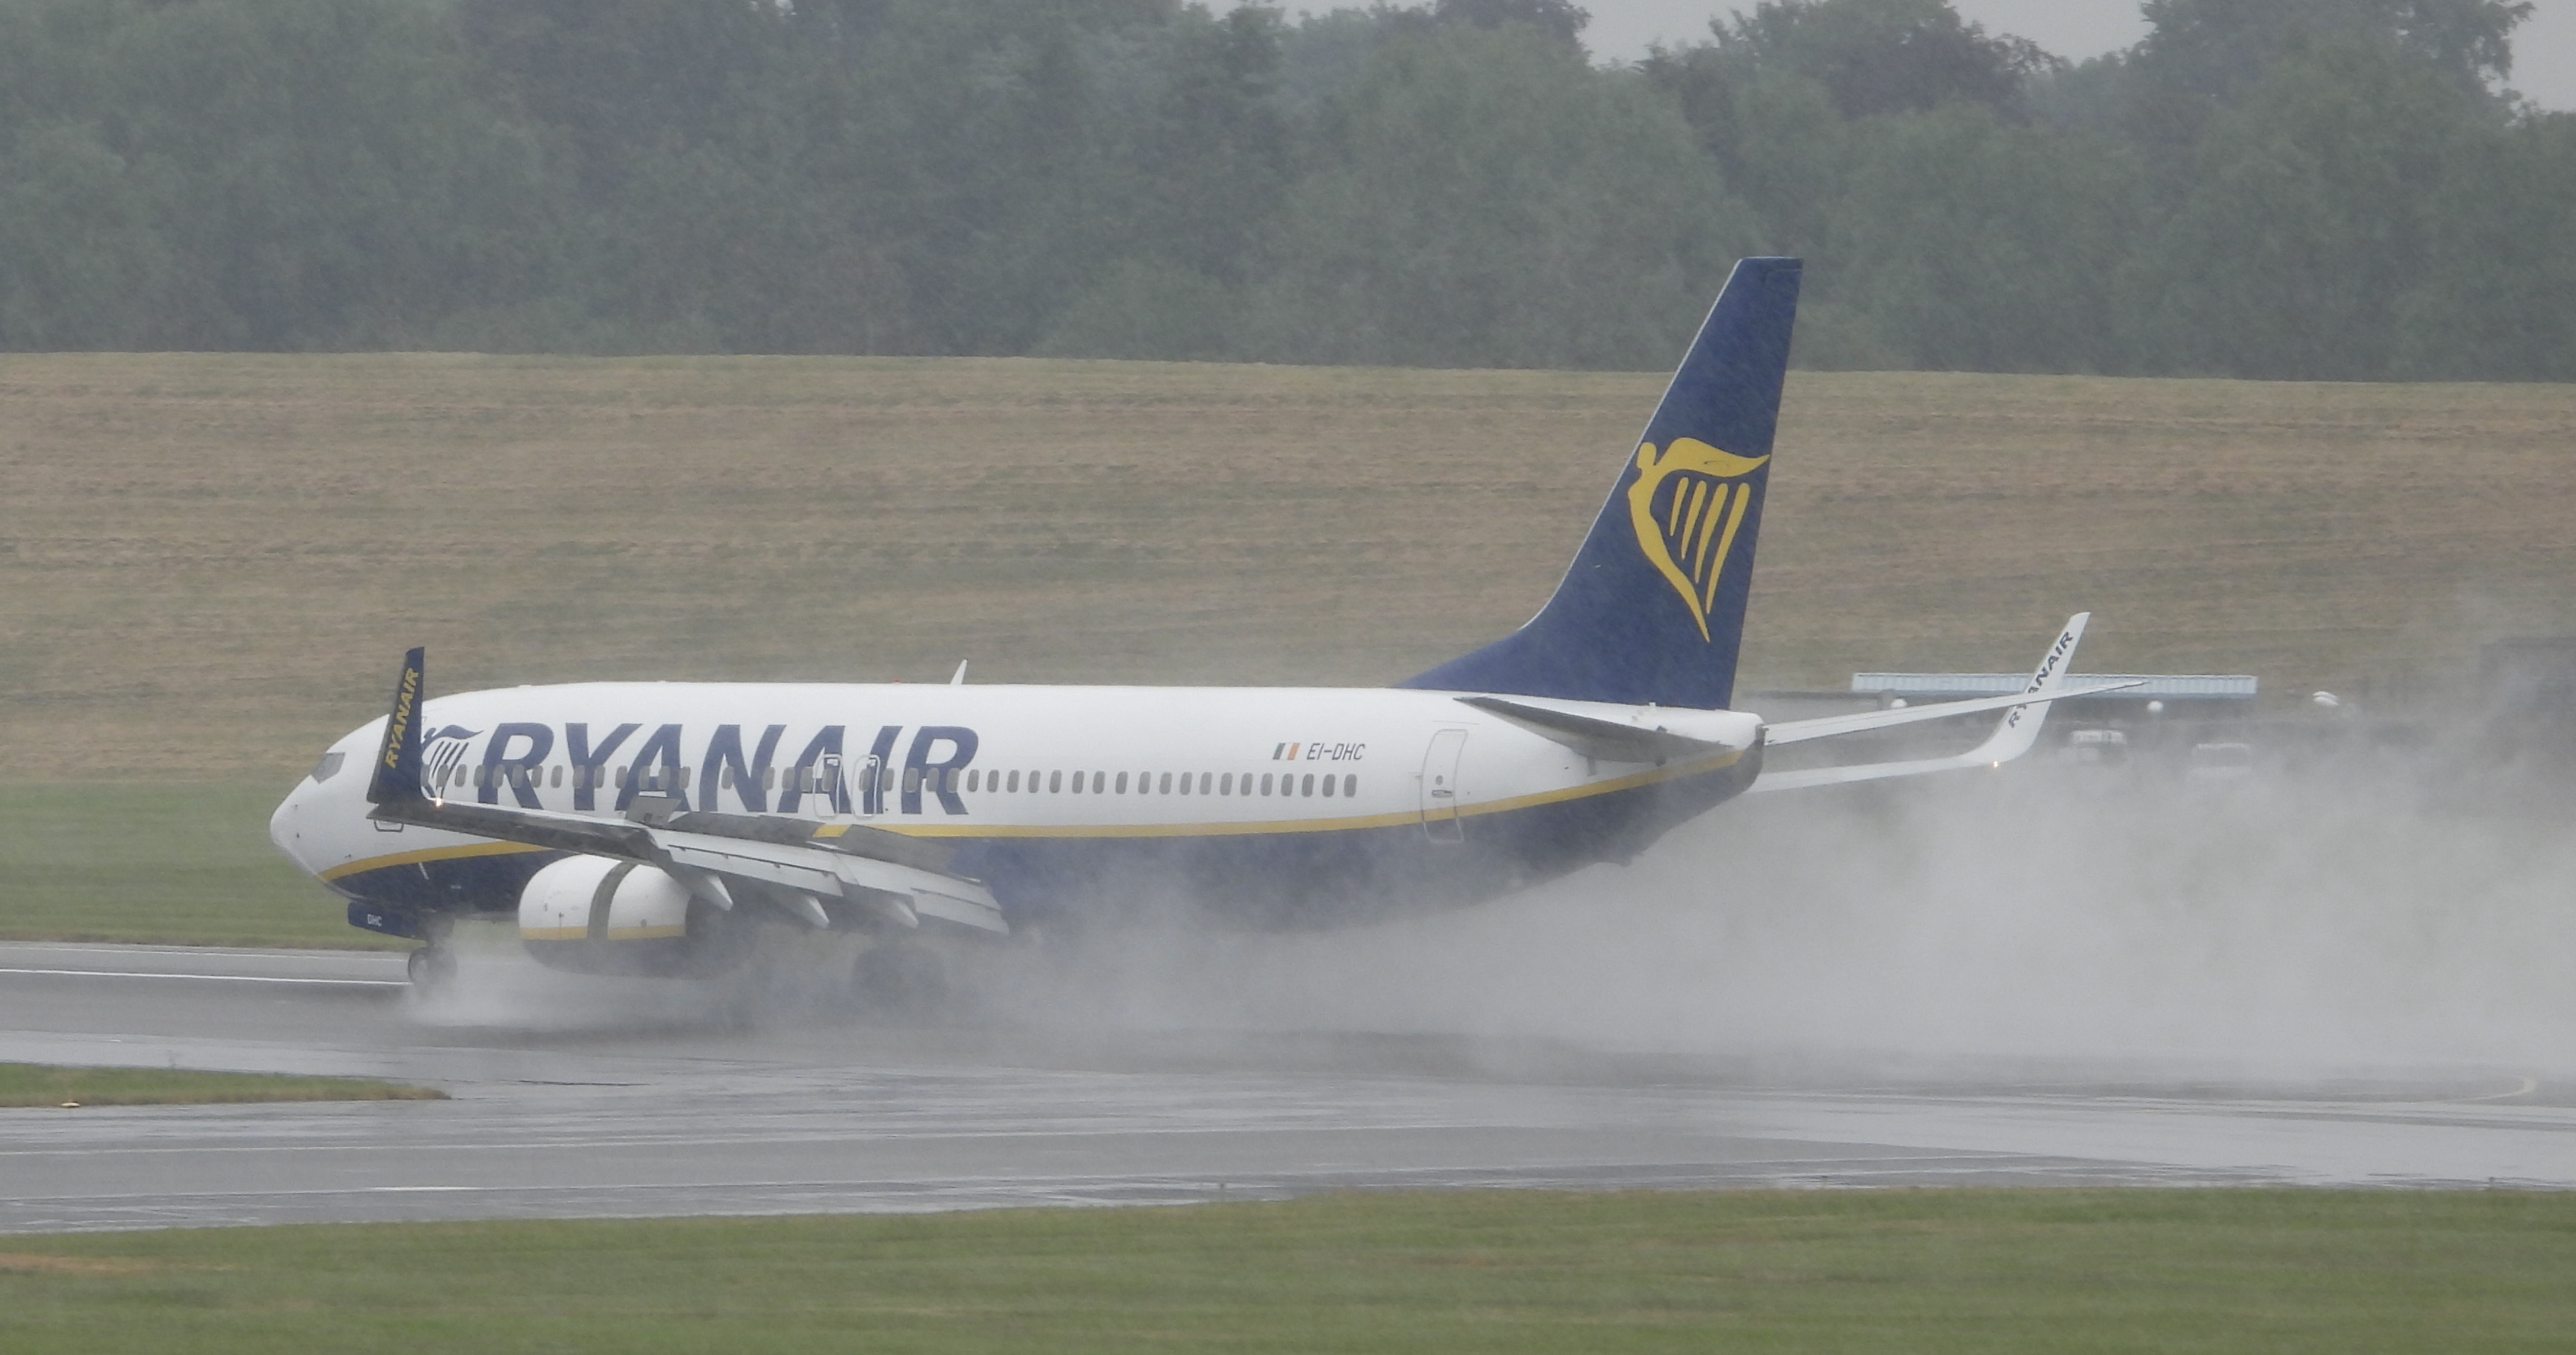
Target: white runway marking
(212,978)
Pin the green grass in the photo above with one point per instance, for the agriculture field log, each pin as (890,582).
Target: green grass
(37,1084)
(186,864)
(1985,1271)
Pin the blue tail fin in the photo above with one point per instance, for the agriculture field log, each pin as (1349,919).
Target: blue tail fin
(1654,605)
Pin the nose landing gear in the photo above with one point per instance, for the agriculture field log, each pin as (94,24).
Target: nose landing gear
(432,968)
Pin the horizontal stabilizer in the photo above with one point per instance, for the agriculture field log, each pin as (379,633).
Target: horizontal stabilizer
(1598,739)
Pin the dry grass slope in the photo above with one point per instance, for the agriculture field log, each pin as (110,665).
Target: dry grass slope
(209,562)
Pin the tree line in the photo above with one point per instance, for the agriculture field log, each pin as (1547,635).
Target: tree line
(2315,189)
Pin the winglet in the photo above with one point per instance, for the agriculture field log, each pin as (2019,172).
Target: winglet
(2019,728)
(2014,734)
(2021,725)
(397,774)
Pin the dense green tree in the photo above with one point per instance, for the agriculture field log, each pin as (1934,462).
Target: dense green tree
(81,263)
(1871,56)
(1966,242)
(2494,297)
(1489,198)
(1556,18)
(2308,219)
(257,174)
(2323,188)
(2200,57)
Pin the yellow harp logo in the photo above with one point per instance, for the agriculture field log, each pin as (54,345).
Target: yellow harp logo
(1687,503)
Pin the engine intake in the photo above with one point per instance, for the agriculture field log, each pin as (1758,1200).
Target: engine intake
(595,915)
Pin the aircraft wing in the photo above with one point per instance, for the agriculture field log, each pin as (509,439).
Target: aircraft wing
(2024,713)
(790,863)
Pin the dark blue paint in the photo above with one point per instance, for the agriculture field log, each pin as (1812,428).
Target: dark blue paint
(872,773)
(664,748)
(518,769)
(836,794)
(384,921)
(918,766)
(588,762)
(725,750)
(468,884)
(1615,629)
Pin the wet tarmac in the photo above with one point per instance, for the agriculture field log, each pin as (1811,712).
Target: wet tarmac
(605,1098)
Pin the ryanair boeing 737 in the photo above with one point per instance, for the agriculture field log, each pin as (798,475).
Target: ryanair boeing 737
(646,828)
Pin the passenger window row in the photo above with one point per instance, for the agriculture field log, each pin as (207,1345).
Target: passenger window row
(806,781)
(803,779)
(1163,783)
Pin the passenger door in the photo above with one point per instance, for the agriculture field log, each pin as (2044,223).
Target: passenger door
(1440,786)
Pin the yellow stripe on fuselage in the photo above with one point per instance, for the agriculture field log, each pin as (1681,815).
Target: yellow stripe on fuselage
(455,853)
(1716,762)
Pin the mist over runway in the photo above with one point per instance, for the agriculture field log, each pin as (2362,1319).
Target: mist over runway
(2347,973)
(579,1106)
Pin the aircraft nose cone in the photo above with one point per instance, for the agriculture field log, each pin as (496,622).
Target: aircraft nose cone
(284,827)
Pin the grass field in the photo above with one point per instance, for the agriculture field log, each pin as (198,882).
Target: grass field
(208,563)
(1967,1271)
(31,1084)
(151,862)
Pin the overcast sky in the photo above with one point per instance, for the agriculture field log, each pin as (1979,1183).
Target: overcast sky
(2544,48)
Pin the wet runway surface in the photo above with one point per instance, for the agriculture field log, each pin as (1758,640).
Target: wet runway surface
(606,1099)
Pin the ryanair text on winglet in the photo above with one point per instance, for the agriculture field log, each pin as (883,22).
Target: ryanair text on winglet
(402,716)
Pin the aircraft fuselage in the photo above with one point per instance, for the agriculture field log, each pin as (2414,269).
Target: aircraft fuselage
(1276,806)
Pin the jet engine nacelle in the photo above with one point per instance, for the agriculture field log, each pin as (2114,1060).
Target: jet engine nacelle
(595,915)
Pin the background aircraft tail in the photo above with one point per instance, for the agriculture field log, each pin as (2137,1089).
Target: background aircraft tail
(1653,607)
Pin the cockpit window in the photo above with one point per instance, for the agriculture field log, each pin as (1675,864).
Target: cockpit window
(329,766)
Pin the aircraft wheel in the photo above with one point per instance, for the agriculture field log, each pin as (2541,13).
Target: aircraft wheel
(431,968)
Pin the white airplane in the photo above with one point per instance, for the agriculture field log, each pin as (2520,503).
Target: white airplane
(645,828)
